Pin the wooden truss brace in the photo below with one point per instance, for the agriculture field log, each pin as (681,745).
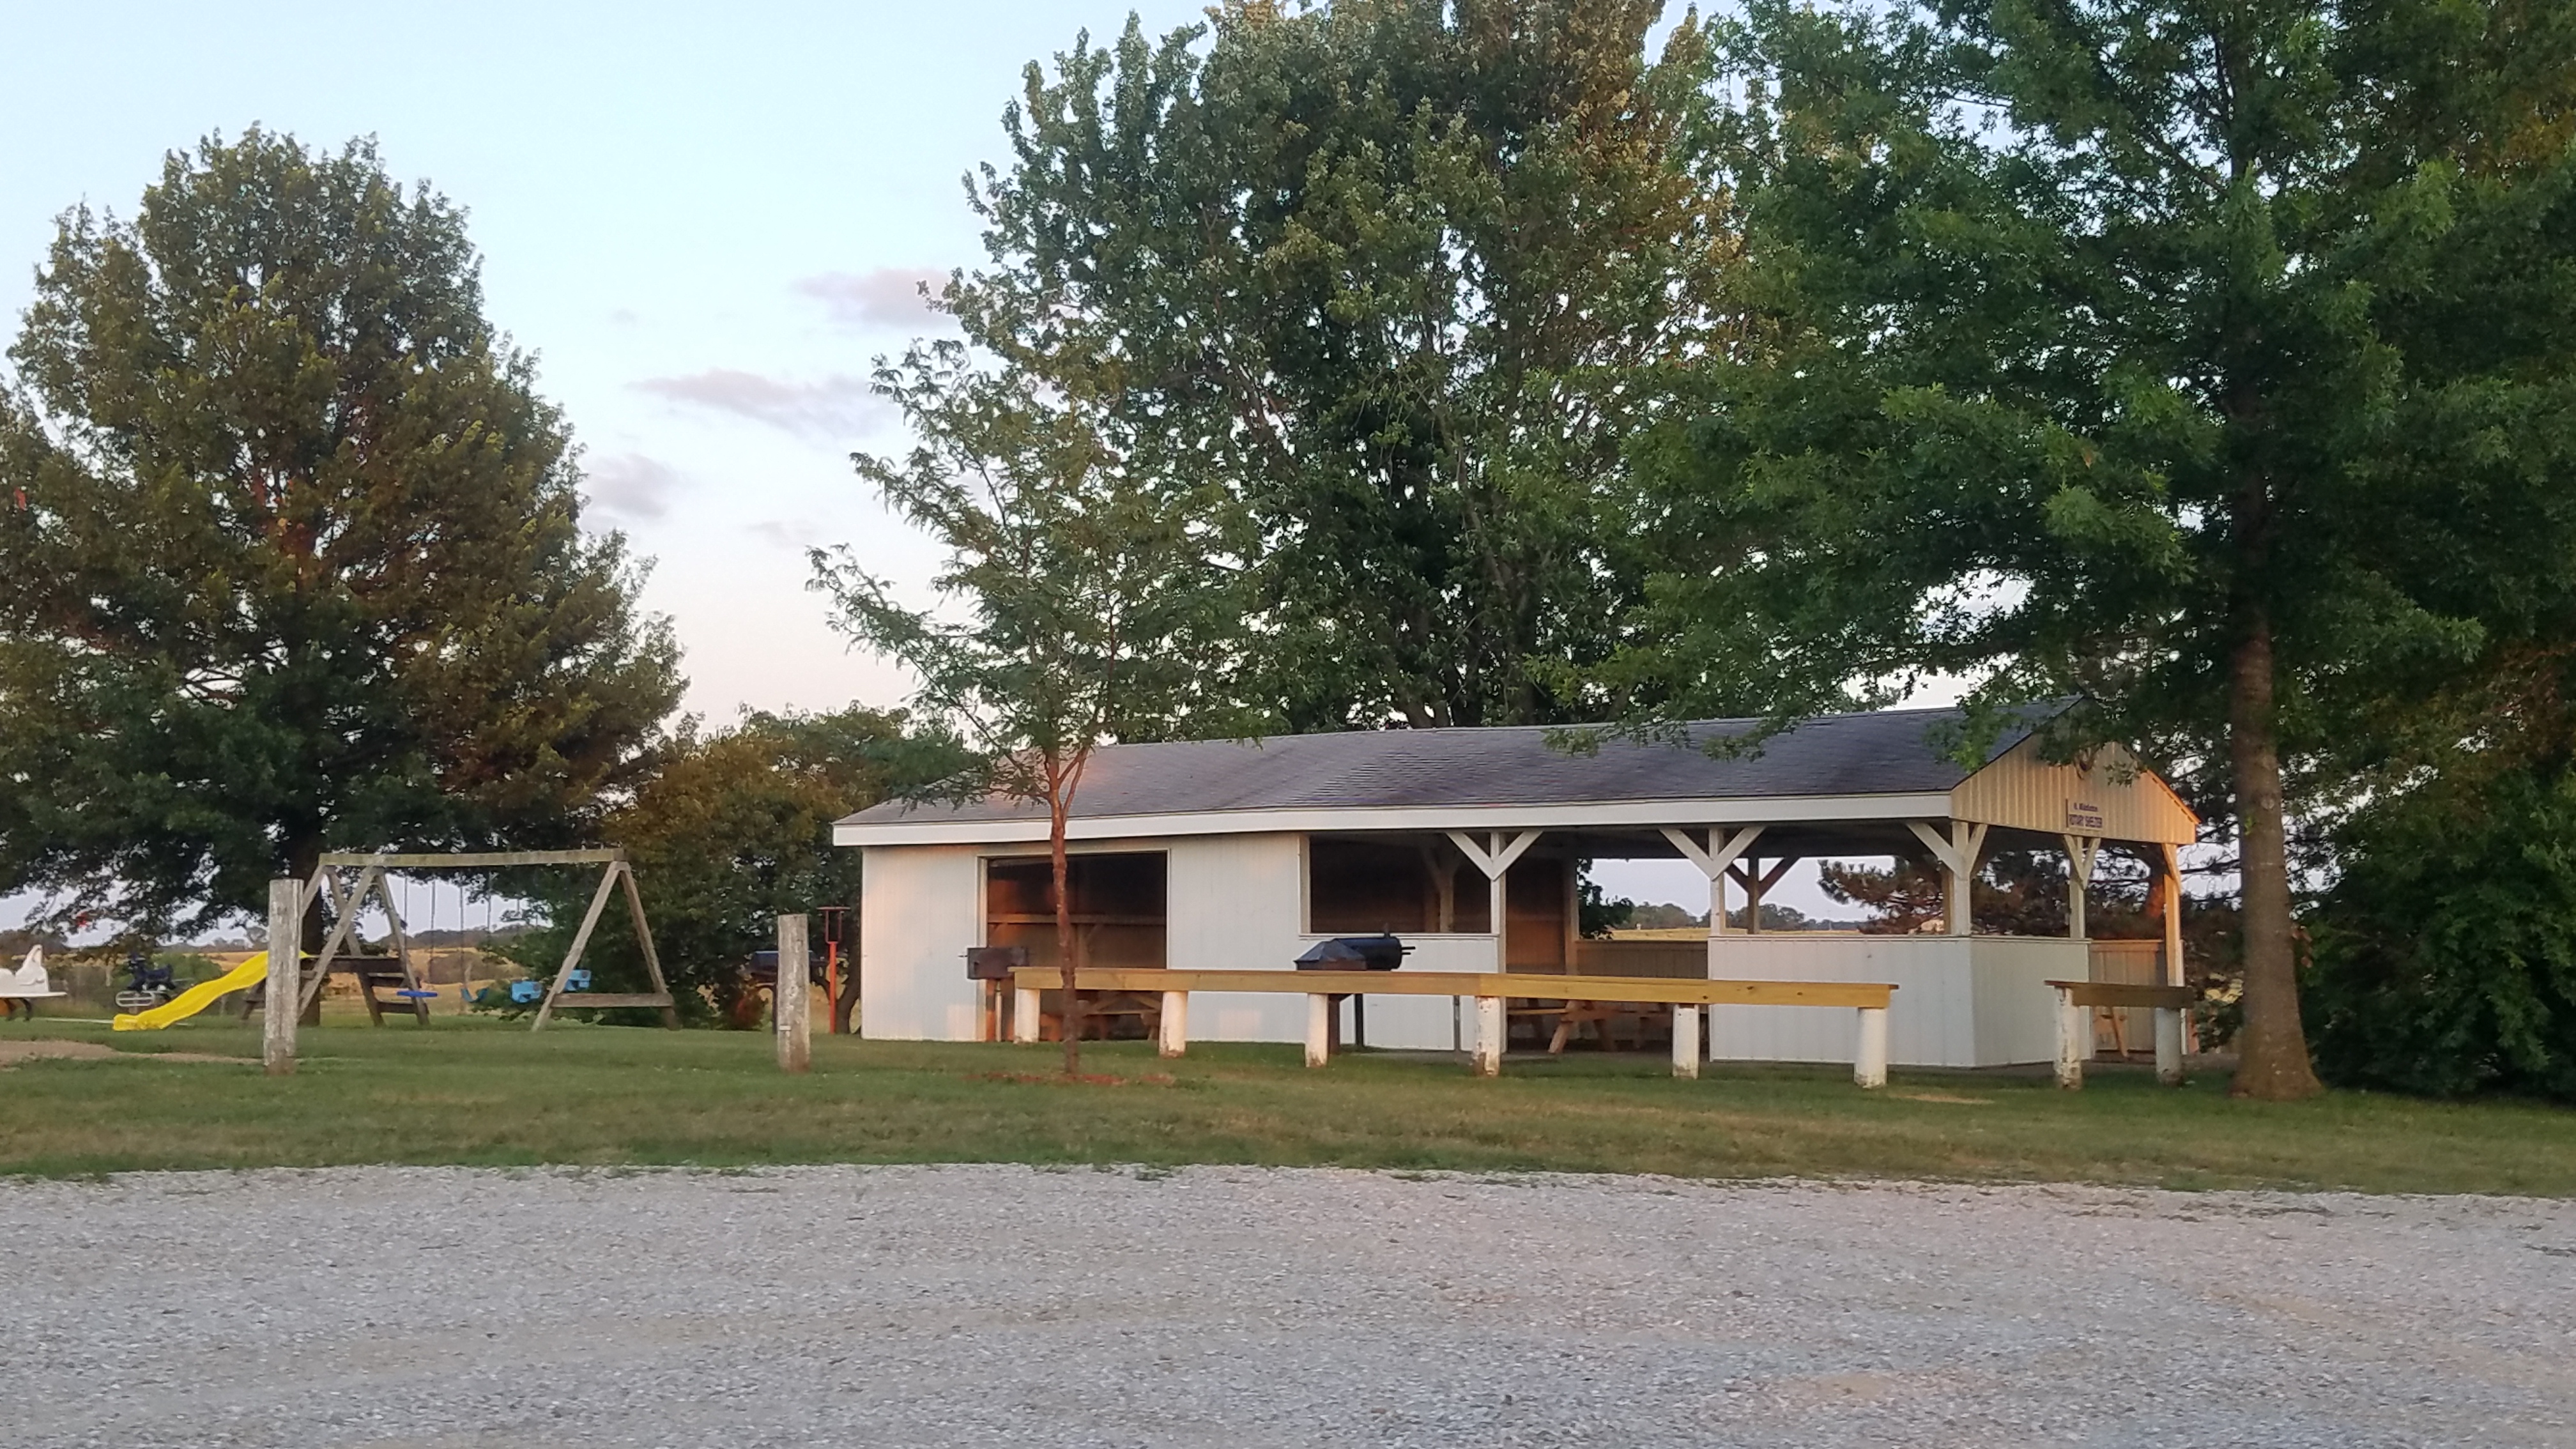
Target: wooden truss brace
(619,873)
(1755,885)
(1497,854)
(2081,853)
(1715,860)
(1757,881)
(372,874)
(345,907)
(1958,859)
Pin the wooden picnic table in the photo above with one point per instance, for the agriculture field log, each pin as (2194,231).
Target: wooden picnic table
(2078,1000)
(1491,990)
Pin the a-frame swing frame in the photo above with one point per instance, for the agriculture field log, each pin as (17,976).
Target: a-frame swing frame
(616,872)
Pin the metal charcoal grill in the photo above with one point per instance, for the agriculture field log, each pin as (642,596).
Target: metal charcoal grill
(1354,953)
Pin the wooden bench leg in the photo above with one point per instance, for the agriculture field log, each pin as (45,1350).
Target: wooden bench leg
(2074,1040)
(1869,1062)
(1686,1041)
(1175,1023)
(1489,1036)
(2169,1046)
(1319,1028)
(1024,1015)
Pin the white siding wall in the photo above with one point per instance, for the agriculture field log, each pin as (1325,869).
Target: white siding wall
(1960,1001)
(1234,906)
(1236,903)
(2016,1008)
(918,912)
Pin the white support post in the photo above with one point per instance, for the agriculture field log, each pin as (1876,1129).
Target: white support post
(283,1002)
(1869,1061)
(791,1000)
(2074,1039)
(1319,1028)
(1714,859)
(1489,1036)
(1957,856)
(1175,1024)
(2174,974)
(2169,1046)
(1495,856)
(1686,1041)
(2081,852)
(1024,1014)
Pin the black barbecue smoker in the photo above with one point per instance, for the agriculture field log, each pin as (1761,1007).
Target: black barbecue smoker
(1354,953)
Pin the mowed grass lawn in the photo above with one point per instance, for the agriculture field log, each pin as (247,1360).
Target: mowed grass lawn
(482,1093)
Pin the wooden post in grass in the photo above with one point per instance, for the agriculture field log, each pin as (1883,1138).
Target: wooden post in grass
(791,1000)
(1869,1060)
(1491,1024)
(282,1001)
(1685,1040)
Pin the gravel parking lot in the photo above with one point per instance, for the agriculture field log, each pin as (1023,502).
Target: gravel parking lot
(1219,1306)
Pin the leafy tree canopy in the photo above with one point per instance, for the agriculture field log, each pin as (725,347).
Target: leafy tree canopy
(1087,599)
(2209,360)
(2446,951)
(1405,276)
(290,552)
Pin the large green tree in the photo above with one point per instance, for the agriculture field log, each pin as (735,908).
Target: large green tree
(2209,360)
(290,551)
(1085,600)
(1404,275)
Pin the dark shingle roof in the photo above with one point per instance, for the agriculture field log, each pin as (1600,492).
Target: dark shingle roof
(1893,752)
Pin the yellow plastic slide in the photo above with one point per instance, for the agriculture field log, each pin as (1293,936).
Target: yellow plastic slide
(196,998)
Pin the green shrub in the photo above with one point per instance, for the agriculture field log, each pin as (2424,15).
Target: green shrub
(2445,953)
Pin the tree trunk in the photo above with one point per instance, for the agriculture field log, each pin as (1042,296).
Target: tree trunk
(2273,1048)
(1057,808)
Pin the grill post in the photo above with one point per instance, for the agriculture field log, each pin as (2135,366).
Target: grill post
(1489,1036)
(1685,1040)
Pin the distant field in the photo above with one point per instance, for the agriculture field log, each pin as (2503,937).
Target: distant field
(466,1091)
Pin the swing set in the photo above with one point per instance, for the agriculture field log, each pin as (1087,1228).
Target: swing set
(402,986)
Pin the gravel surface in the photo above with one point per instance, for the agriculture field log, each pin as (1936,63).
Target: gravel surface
(1240,1307)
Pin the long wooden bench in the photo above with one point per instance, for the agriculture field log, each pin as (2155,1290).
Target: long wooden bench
(2078,1000)
(1491,991)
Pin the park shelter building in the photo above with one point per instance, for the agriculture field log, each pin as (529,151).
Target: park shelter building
(1241,855)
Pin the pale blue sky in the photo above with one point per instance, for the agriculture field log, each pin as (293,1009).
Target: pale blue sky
(705,220)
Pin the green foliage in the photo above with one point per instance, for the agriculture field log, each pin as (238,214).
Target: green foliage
(1094,598)
(2207,360)
(733,830)
(290,556)
(1406,276)
(1597,912)
(2445,957)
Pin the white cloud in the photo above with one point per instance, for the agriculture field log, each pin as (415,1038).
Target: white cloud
(631,485)
(795,535)
(889,297)
(834,409)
